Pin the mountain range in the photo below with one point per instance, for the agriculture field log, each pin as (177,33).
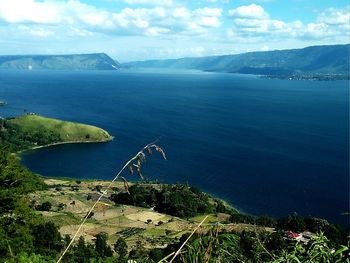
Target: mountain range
(331,59)
(97,61)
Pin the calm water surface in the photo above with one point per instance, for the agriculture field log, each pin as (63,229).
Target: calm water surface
(266,146)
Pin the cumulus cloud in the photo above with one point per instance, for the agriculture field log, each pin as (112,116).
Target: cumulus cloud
(250,11)
(253,21)
(181,12)
(16,11)
(76,23)
(160,19)
(209,12)
(335,17)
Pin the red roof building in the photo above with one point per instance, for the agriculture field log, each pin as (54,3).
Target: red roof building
(292,235)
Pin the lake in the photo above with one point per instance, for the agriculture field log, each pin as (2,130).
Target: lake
(266,146)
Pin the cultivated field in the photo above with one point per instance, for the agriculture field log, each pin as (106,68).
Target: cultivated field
(71,201)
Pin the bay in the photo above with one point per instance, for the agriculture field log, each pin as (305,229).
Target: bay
(266,146)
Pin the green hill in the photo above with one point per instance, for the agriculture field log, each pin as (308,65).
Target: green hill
(67,131)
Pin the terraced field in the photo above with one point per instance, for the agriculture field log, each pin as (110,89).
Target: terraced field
(71,201)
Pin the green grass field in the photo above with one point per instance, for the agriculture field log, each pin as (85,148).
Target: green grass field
(68,131)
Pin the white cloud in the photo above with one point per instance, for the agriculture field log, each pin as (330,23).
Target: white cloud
(254,22)
(208,11)
(15,11)
(209,21)
(161,19)
(330,24)
(156,31)
(205,18)
(140,23)
(249,11)
(181,12)
(71,24)
(335,17)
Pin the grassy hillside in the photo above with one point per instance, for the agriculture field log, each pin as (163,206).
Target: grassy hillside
(67,131)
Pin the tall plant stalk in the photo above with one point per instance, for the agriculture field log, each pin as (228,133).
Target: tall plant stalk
(135,162)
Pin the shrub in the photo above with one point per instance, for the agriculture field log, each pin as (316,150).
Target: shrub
(46,206)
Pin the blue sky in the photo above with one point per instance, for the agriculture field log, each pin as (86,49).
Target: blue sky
(152,29)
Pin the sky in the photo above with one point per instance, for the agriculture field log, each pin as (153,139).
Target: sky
(129,30)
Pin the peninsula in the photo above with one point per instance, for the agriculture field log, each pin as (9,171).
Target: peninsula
(33,131)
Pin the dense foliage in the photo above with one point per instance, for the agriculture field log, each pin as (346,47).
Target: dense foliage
(22,232)
(14,138)
(177,200)
(17,221)
(295,223)
(26,236)
(252,247)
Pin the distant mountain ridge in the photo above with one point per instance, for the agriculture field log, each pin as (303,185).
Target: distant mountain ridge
(95,61)
(332,59)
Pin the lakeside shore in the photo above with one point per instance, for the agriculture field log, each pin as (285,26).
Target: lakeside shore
(69,142)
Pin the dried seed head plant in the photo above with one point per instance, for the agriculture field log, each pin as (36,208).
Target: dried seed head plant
(135,162)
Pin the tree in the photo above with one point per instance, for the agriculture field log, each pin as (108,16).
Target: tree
(102,248)
(121,248)
(66,240)
(47,239)
(82,252)
(220,207)
(46,206)
(292,222)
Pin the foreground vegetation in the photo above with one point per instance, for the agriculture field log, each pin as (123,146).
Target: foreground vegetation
(149,236)
(252,247)
(38,217)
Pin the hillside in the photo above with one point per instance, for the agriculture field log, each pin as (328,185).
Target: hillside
(33,131)
(66,131)
(331,59)
(98,61)
(151,235)
(134,223)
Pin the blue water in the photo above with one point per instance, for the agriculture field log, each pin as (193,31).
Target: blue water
(266,146)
